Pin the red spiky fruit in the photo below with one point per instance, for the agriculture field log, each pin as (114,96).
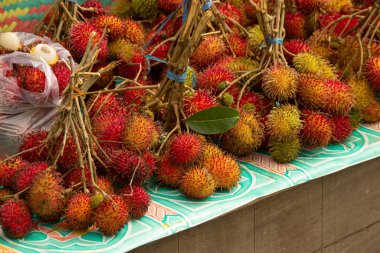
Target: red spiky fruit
(295,25)
(208,51)
(96,5)
(238,44)
(114,25)
(343,27)
(79,37)
(126,163)
(185,149)
(63,73)
(31,140)
(223,169)
(15,218)
(212,77)
(230,11)
(5,194)
(131,69)
(316,131)
(161,52)
(101,103)
(371,113)
(70,155)
(30,78)
(106,185)
(79,212)
(308,6)
(341,128)
(295,47)
(134,32)
(168,5)
(197,183)
(168,174)
(200,101)
(261,104)
(45,196)
(137,200)
(75,177)
(9,169)
(111,215)
(134,98)
(108,127)
(372,72)
(24,178)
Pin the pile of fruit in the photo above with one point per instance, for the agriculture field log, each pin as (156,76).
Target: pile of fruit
(308,98)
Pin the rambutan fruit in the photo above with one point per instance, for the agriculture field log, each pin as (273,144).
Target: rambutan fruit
(231,12)
(132,68)
(46,52)
(134,32)
(104,102)
(161,52)
(262,105)
(227,99)
(372,72)
(108,127)
(140,133)
(245,137)
(10,41)
(363,93)
(15,218)
(280,82)
(343,27)
(45,196)
(208,51)
(212,77)
(256,37)
(307,63)
(63,73)
(144,8)
(238,44)
(323,45)
(30,78)
(197,183)
(137,200)
(5,194)
(127,163)
(284,151)
(69,157)
(316,131)
(201,100)
(96,5)
(168,174)
(79,37)
(185,149)
(134,98)
(75,177)
(238,64)
(308,6)
(33,139)
(168,6)
(24,178)
(106,185)
(121,8)
(210,150)
(224,170)
(356,118)
(111,215)
(114,25)
(341,128)
(9,169)
(295,25)
(78,212)
(295,47)
(371,113)
(284,122)
(121,49)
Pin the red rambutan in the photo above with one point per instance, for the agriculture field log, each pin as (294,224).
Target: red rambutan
(134,98)
(15,218)
(238,44)
(261,104)
(96,5)
(114,25)
(308,6)
(75,177)
(24,178)
(295,47)
(212,77)
(295,25)
(34,139)
(137,200)
(63,73)
(106,185)
(70,156)
(9,169)
(102,103)
(341,128)
(371,113)
(316,131)
(200,101)
(131,69)
(30,78)
(168,5)
(342,26)
(79,212)
(185,149)
(208,51)
(372,72)
(168,174)
(231,12)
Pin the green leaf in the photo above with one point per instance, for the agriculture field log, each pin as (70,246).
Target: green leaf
(215,120)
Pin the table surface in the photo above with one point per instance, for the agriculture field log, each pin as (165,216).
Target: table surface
(170,212)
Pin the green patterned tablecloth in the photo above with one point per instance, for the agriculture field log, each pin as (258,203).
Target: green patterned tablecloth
(170,212)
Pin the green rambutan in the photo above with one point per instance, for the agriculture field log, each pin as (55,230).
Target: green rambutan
(63,73)
(140,133)
(197,183)
(208,51)
(96,199)
(284,122)
(284,151)
(33,139)
(104,102)
(356,118)
(45,196)
(168,174)
(200,101)
(341,128)
(79,37)
(295,25)
(185,149)
(144,9)
(280,82)
(245,137)
(239,64)
(134,32)
(137,200)
(78,212)
(363,93)
(316,131)
(224,170)
(228,99)
(114,25)
(256,37)
(168,5)
(372,72)
(9,169)
(111,215)
(307,63)
(30,78)
(371,113)
(121,49)
(212,77)
(121,8)
(24,178)
(96,5)
(15,218)
(5,194)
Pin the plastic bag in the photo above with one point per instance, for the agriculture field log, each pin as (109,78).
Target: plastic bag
(22,110)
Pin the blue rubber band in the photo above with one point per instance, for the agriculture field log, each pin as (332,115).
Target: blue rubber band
(181,78)
(278,41)
(208,5)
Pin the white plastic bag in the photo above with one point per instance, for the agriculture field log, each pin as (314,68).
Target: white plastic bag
(22,110)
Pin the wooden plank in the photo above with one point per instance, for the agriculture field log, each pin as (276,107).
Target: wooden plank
(351,200)
(364,241)
(231,233)
(166,245)
(290,221)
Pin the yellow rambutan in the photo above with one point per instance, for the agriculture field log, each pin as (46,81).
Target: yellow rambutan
(280,82)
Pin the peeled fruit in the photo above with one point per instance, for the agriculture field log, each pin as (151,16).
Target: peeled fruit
(197,183)
(46,52)
(10,41)
(15,218)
